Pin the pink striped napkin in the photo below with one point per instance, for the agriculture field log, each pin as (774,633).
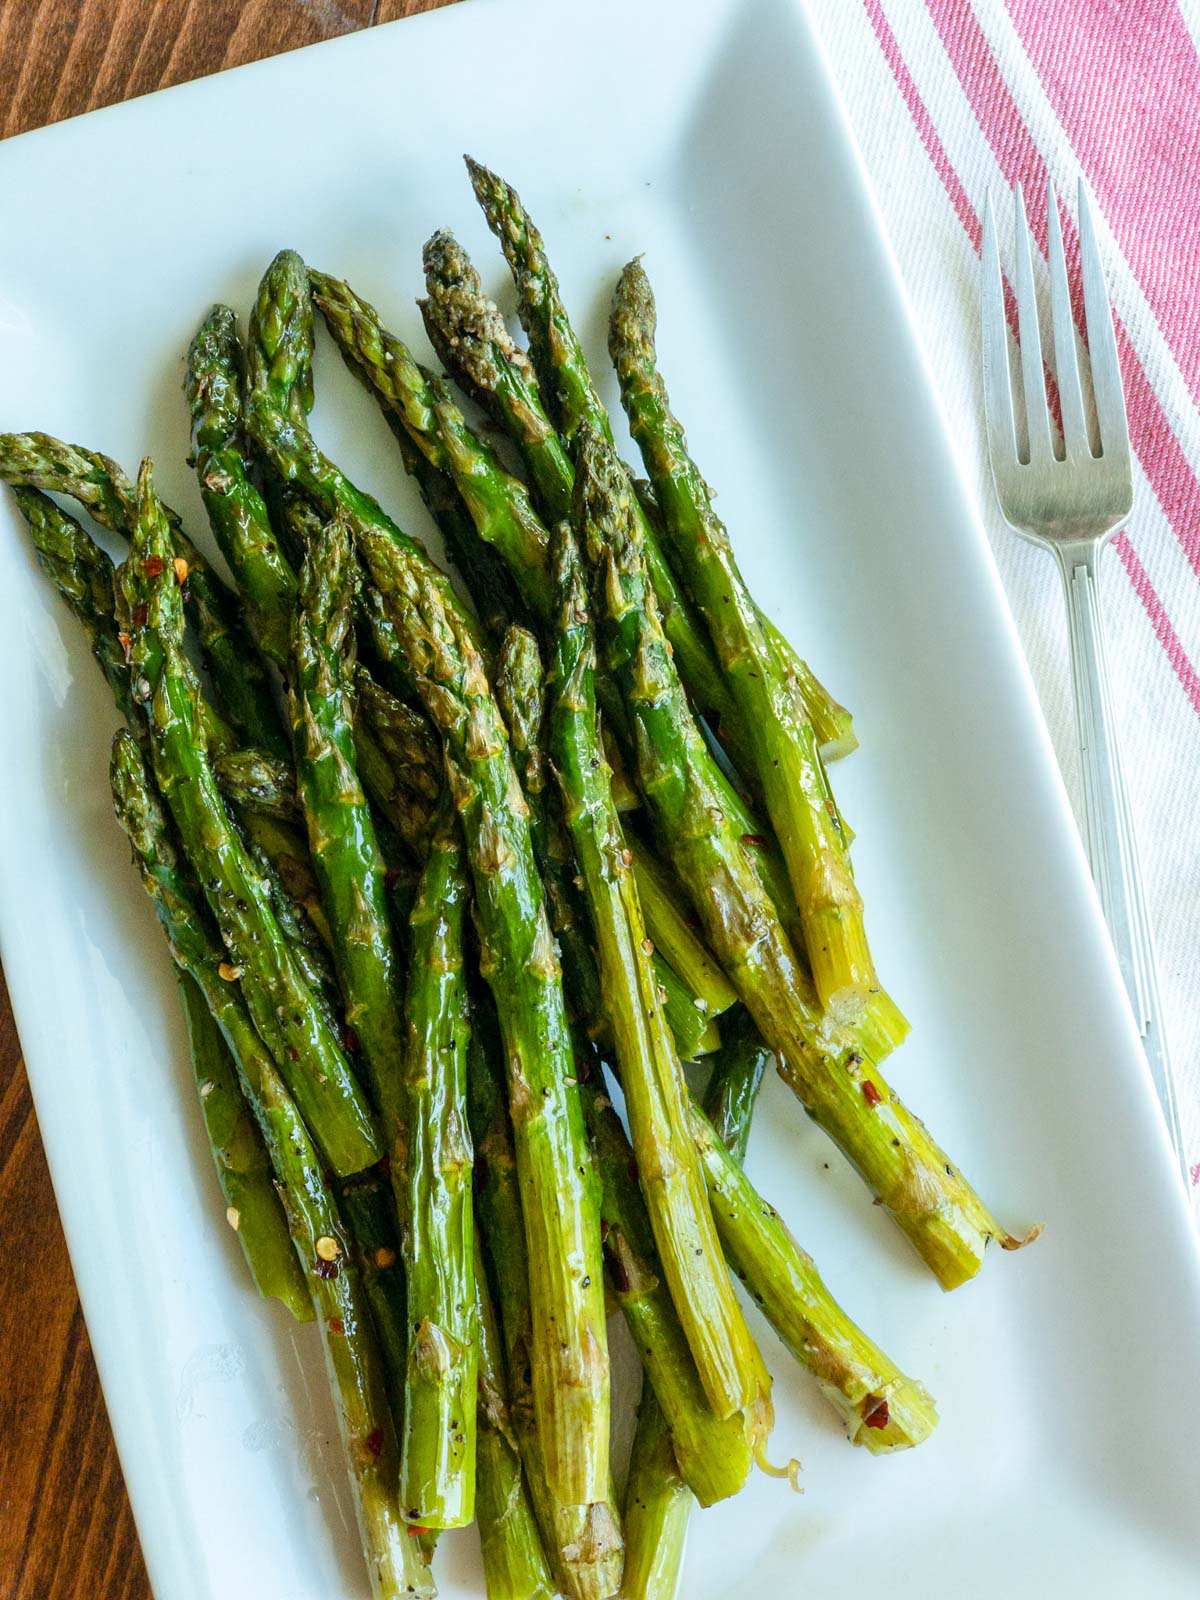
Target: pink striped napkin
(947,99)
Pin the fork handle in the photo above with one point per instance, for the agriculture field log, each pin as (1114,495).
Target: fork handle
(1108,824)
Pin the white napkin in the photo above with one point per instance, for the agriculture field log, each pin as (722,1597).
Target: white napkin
(949,98)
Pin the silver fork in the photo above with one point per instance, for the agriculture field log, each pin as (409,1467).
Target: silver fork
(1071,506)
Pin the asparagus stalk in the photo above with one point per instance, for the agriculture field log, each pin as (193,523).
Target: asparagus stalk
(253,781)
(499,503)
(395,1563)
(469,335)
(882,1409)
(514,1563)
(253,1208)
(345,856)
(240,678)
(582,1542)
(369,1210)
(491,586)
(941,1215)
(259,786)
(714,1454)
(281,1003)
(833,724)
(237,512)
(658,1504)
(737,1076)
(416,1068)
(438,1435)
(83,575)
(673,936)
(570,396)
(561,1212)
(784,745)
(519,693)
(729,1367)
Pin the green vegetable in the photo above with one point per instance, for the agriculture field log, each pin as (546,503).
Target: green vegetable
(729,1366)
(882,1409)
(440,640)
(657,1506)
(438,1436)
(240,678)
(243,1167)
(942,1216)
(783,743)
(514,1563)
(237,512)
(396,1564)
(281,1003)
(714,1454)
(583,1542)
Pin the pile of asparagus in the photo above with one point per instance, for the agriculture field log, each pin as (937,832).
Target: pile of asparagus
(437,873)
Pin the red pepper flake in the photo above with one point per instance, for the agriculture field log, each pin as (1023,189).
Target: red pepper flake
(374,1442)
(326,1269)
(126,643)
(152,566)
(870,1093)
(415,1529)
(877,1416)
(754,838)
(140,612)
(335,1325)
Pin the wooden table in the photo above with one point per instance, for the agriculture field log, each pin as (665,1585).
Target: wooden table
(65,1528)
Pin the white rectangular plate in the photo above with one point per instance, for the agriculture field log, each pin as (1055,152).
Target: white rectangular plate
(709,138)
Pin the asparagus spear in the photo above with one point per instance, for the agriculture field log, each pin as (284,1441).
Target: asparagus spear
(657,1506)
(253,781)
(438,1436)
(786,757)
(571,398)
(737,1076)
(356,1374)
(366,1203)
(243,687)
(728,1364)
(469,335)
(673,935)
(259,786)
(714,1454)
(519,693)
(514,1563)
(308,1055)
(496,596)
(833,723)
(237,512)
(882,1409)
(345,856)
(583,1542)
(571,1380)
(941,1215)
(83,575)
(243,1167)
(499,503)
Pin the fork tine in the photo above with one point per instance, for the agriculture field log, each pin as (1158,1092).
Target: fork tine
(1066,362)
(1037,421)
(1102,341)
(997,381)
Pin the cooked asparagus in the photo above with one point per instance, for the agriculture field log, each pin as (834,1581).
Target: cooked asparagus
(309,1057)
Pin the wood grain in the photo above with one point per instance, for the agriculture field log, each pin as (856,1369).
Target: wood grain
(66,1532)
